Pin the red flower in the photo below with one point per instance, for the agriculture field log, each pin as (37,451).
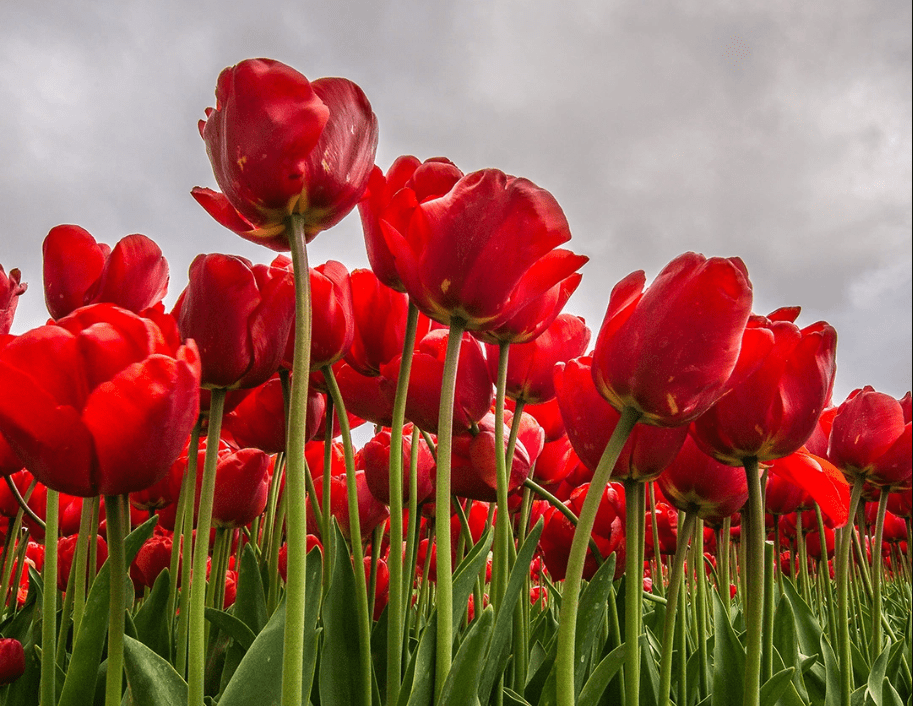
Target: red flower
(12,660)
(772,411)
(473,386)
(280,145)
(100,403)
(375,460)
(530,365)
(820,479)
(66,551)
(590,421)
(240,316)
(871,437)
(11,288)
(371,512)
(481,252)
(694,482)
(80,271)
(152,559)
(668,351)
(425,181)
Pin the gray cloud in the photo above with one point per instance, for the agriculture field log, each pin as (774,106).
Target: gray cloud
(773,131)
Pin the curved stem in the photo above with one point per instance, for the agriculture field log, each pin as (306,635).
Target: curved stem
(753,539)
(361,589)
(499,564)
(444,644)
(634,578)
(115,507)
(396,603)
(530,484)
(675,582)
(567,629)
(14,491)
(49,604)
(293,652)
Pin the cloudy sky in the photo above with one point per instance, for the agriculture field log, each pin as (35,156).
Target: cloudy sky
(776,131)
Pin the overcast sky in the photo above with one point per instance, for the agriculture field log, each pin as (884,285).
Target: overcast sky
(776,131)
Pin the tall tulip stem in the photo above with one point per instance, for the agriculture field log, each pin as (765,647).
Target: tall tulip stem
(499,564)
(196,653)
(877,572)
(293,653)
(675,582)
(754,583)
(49,603)
(115,510)
(845,654)
(396,603)
(444,646)
(567,629)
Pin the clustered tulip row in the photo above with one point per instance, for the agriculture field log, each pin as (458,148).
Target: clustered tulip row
(509,458)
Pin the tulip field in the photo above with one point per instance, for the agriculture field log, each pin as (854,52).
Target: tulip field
(669,509)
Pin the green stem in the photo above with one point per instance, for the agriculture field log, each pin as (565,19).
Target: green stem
(702,631)
(877,571)
(326,526)
(196,653)
(396,605)
(87,534)
(675,582)
(293,653)
(530,484)
(824,577)
(186,564)
(444,644)
(657,555)
(768,652)
(49,603)
(567,629)
(185,497)
(753,539)
(723,549)
(115,506)
(844,653)
(803,559)
(361,589)
(499,563)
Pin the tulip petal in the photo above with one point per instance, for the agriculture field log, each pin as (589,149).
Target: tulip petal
(135,275)
(73,262)
(820,479)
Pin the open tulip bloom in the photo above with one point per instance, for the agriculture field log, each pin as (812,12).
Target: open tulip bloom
(678,514)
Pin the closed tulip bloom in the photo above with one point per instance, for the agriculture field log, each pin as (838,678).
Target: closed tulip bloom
(66,551)
(482,251)
(782,496)
(281,145)
(695,482)
(870,437)
(12,660)
(371,511)
(153,558)
(240,316)
(374,459)
(474,469)
(590,421)
(100,403)
(548,414)
(771,412)
(425,181)
(474,390)
(668,351)
(530,365)
(242,485)
(11,288)
(80,271)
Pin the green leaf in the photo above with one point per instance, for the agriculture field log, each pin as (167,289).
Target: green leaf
(420,673)
(462,683)
(79,687)
(512,698)
(877,677)
(831,674)
(601,676)
(340,656)
(499,651)
(808,631)
(890,697)
(258,678)
(774,687)
(590,616)
(151,680)
(250,601)
(235,628)
(728,659)
(153,628)
(466,574)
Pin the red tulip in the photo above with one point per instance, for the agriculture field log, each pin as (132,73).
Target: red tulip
(669,351)
(425,181)
(240,316)
(481,252)
(782,496)
(548,414)
(530,365)
(375,460)
(371,512)
(80,271)
(590,421)
(66,551)
(99,403)
(820,479)
(381,585)
(12,660)
(667,530)
(694,482)
(152,559)
(871,437)
(280,145)
(473,387)
(773,410)
(11,288)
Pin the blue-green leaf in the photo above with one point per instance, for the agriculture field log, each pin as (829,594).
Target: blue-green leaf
(462,683)
(151,680)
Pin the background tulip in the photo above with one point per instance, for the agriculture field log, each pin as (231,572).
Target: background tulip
(11,288)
